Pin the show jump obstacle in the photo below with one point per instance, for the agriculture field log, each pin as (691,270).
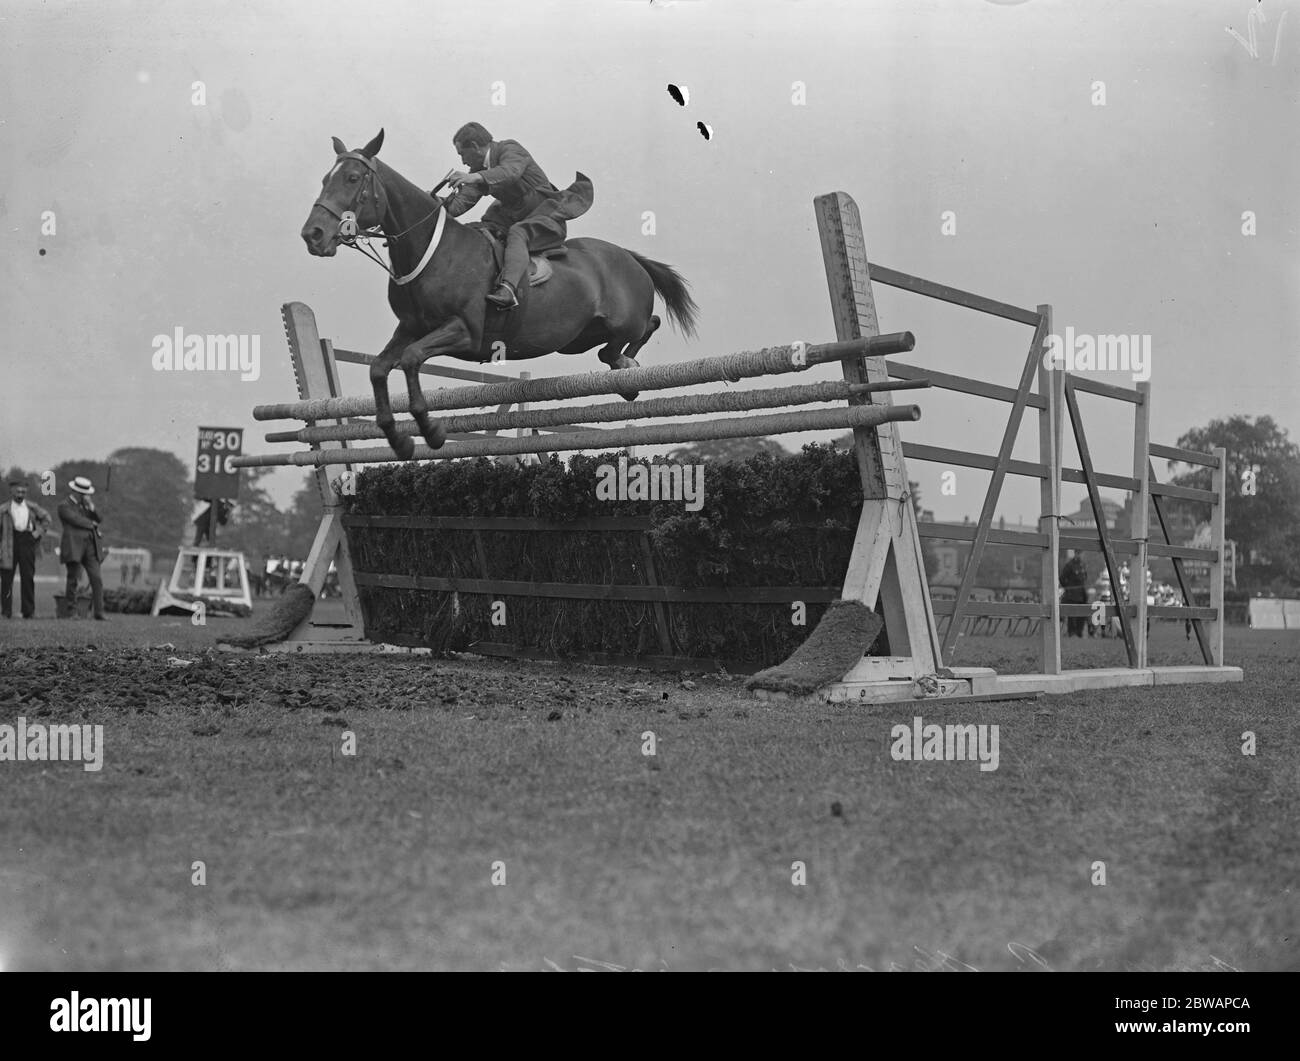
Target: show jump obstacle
(886,572)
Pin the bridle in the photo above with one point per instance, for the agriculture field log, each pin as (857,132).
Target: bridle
(350,230)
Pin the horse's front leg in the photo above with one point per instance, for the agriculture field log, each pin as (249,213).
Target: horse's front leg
(403,445)
(451,338)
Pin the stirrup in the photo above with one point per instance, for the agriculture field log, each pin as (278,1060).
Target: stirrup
(501,300)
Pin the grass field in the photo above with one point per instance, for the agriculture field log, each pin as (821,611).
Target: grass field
(683,860)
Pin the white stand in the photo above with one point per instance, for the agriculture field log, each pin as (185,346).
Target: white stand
(190,575)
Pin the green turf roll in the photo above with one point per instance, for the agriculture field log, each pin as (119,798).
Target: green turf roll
(846,632)
(279,623)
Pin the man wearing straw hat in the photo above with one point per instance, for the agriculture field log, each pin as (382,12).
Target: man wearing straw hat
(80,545)
(22,523)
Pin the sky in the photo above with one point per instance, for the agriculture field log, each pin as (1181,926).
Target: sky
(1132,164)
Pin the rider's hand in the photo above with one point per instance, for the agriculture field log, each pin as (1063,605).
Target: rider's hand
(459,177)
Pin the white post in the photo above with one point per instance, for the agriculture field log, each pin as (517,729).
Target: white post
(1139,576)
(317,374)
(1219,482)
(1051,385)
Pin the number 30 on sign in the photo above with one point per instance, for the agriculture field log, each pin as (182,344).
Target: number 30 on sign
(213,475)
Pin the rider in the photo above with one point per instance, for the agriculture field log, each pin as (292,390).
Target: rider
(528,208)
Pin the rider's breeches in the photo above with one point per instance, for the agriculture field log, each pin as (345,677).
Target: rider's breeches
(532,234)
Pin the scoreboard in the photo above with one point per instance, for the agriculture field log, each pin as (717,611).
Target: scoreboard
(213,476)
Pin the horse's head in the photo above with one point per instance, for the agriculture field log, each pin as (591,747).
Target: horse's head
(352,199)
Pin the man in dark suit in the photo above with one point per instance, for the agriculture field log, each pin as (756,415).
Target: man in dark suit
(22,523)
(529,209)
(1074,580)
(212,515)
(80,545)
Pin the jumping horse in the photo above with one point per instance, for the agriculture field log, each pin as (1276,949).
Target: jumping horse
(599,294)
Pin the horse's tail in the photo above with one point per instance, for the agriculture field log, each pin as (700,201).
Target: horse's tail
(675,292)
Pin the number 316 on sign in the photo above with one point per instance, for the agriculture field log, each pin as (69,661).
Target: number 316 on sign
(214,476)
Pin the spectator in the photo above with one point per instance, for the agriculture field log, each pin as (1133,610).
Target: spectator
(205,511)
(80,545)
(1107,597)
(22,524)
(1074,581)
(208,515)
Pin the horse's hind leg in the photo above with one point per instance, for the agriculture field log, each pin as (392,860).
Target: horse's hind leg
(612,355)
(619,354)
(634,348)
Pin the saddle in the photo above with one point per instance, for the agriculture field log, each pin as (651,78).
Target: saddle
(539,266)
(502,325)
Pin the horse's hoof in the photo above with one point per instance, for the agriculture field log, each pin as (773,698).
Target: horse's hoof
(403,447)
(626,362)
(436,435)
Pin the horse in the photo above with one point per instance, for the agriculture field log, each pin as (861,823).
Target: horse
(599,294)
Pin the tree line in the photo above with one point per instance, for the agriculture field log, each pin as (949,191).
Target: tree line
(146,498)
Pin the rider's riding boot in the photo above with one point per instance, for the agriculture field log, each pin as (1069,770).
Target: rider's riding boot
(512,270)
(504,296)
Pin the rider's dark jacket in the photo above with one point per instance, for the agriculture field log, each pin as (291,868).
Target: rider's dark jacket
(521,189)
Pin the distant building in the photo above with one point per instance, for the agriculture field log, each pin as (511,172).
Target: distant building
(1006,572)
(1083,521)
(1183,520)
(1012,572)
